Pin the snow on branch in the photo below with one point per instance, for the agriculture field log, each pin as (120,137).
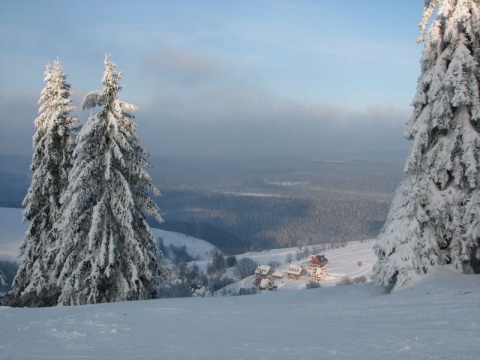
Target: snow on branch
(92,99)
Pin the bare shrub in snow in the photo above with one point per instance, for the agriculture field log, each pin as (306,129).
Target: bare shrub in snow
(312,285)
(360,279)
(247,291)
(344,281)
(288,258)
(274,264)
(245,267)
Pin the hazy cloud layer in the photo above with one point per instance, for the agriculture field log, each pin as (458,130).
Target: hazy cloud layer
(180,67)
(191,105)
(197,105)
(276,129)
(227,77)
(250,126)
(17,114)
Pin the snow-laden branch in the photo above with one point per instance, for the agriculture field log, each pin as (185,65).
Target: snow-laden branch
(92,99)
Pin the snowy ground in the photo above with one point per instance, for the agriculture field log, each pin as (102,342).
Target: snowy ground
(438,317)
(197,248)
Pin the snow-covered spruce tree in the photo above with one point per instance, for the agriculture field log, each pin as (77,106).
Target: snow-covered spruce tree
(51,163)
(108,251)
(434,218)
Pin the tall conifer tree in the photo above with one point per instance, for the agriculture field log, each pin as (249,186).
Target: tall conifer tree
(108,251)
(51,163)
(434,218)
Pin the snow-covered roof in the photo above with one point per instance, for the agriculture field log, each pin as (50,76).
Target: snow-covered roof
(295,269)
(263,270)
(278,274)
(318,260)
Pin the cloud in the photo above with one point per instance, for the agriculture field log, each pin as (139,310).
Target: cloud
(190,104)
(253,123)
(184,66)
(17,114)
(278,128)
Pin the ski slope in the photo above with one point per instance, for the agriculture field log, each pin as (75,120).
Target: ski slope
(437,317)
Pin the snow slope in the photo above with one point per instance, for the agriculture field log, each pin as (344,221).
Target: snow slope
(352,261)
(12,232)
(437,318)
(197,248)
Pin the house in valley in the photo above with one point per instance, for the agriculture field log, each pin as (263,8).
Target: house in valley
(278,275)
(263,271)
(318,261)
(295,272)
(318,274)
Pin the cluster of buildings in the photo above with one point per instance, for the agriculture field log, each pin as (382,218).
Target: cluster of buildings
(265,275)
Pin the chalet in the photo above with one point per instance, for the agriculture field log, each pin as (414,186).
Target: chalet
(318,274)
(318,261)
(263,271)
(278,275)
(295,272)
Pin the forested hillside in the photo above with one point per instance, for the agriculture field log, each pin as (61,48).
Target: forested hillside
(257,203)
(267,203)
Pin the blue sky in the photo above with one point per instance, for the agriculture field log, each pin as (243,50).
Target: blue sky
(230,77)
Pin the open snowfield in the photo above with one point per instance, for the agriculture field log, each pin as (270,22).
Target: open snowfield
(438,317)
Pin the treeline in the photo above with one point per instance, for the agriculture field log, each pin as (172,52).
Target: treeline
(306,202)
(237,223)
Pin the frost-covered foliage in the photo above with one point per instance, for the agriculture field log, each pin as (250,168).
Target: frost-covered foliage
(51,163)
(108,252)
(434,218)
